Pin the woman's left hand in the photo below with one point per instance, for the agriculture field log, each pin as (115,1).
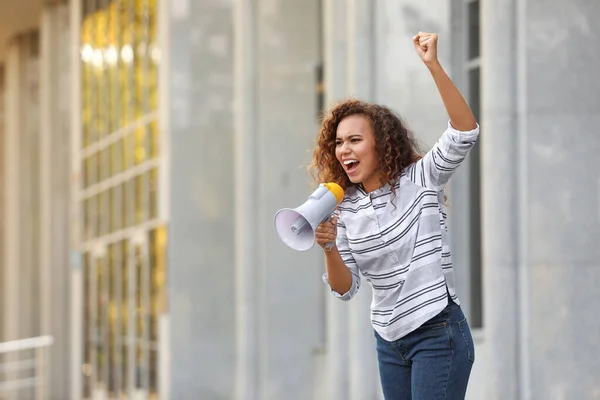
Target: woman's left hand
(426,46)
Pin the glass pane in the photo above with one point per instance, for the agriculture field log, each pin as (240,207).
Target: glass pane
(118,208)
(87,53)
(124,312)
(153,183)
(111,59)
(476,318)
(92,170)
(86,115)
(87,220)
(153,79)
(113,311)
(114,158)
(139,303)
(154,139)
(104,164)
(110,215)
(140,194)
(87,170)
(157,296)
(127,58)
(141,151)
(87,327)
(124,211)
(128,149)
(119,157)
(130,205)
(475,92)
(103,213)
(98,326)
(93,207)
(473,32)
(99,201)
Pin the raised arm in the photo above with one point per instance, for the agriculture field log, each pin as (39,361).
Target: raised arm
(437,166)
(458,110)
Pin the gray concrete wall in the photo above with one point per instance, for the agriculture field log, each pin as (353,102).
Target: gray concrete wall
(291,300)
(541,199)
(562,116)
(288,298)
(402,80)
(539,111)
(201,198)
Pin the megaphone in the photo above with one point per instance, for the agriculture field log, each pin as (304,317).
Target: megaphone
(296,227)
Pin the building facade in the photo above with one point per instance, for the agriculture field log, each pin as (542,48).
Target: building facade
(146,146)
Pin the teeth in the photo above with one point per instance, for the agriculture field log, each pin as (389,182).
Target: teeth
(347,162)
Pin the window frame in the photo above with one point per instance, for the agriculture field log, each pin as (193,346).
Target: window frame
(465,188)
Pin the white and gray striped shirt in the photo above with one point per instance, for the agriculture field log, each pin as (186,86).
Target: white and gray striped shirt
(399,244)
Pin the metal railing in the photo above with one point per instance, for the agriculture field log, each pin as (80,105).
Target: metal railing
(24,369)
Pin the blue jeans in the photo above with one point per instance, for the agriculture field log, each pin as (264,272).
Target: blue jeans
(433,362)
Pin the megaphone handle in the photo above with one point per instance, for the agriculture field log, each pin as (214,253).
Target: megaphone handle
(329,246)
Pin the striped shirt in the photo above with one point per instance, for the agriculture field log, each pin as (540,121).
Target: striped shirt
(399,244)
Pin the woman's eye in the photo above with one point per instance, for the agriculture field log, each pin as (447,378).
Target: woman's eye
(355,140)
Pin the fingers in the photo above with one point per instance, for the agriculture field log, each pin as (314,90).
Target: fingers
(326,232)
(425,39)
(327,227)
(426,35)
(334,219)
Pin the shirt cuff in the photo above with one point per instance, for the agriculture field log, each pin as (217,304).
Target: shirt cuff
(346,296)
(463,136)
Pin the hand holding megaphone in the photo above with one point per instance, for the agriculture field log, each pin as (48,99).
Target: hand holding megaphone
(326,233)
(296,227)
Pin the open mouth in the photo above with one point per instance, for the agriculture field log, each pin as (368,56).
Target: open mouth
(351,166)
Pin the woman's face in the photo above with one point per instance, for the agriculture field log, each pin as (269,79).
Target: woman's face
(355,149)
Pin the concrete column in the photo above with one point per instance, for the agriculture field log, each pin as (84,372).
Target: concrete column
(290,289)
(499,170)
(363,374)
(201,245)
(335,65)
(12,181)
(21,187)
(3,284)
(247,288)
(559,82)
(54,170)
(21,212)
(75,226)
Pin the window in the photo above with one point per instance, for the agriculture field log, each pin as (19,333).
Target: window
(123,240)
(473,94)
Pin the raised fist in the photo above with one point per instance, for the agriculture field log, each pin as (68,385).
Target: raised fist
(426,46)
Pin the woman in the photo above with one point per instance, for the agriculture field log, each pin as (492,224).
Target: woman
(391,228)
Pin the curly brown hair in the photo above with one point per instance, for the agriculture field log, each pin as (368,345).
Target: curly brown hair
(395,144)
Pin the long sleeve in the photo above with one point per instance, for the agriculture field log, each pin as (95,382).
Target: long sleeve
(437,166)
(346,254)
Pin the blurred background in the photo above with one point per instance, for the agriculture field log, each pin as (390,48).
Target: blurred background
(147,144)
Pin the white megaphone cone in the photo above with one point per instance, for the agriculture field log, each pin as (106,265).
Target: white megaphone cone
(296,227)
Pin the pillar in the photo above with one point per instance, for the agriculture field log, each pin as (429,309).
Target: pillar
(363,373)
(334,61)
(500,210)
